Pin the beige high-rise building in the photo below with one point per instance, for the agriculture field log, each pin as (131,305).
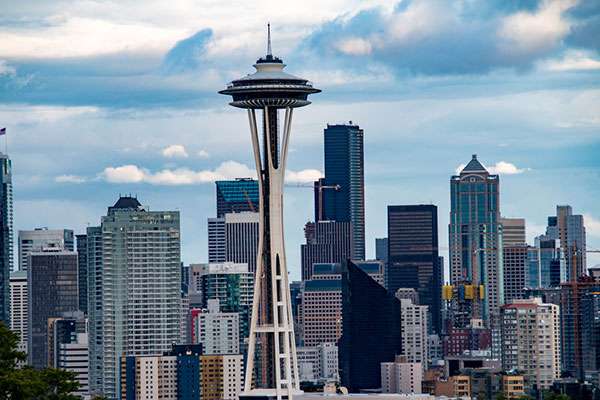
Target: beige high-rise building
(531,340)
(513,232)
(414,332)
(401,376)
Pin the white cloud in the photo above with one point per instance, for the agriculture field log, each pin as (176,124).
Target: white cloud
(175,150)
(535,32)
(69,179)
(6,69)
(123,174)
(307,175)
(354,46)
(203,154)
(574,61)
(506,168)
(592,225)
(180,176)
(501,168)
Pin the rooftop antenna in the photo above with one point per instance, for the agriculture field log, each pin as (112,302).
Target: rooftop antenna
(269,53)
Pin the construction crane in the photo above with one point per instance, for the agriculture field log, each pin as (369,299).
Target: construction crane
(318,184)
(249,201)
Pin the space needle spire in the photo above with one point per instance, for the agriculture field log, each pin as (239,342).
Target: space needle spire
(271,90)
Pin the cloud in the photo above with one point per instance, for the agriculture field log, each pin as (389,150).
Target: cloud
(203,154)
(574,61)
(592,224)
(174,150)
(501,168)
(307,175)
(69,179)
(180,176)
(506,168)
(436,37)
(187,54)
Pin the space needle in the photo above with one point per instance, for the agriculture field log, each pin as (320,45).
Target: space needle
(270,89)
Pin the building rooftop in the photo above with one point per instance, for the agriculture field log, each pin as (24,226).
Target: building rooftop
(474,166)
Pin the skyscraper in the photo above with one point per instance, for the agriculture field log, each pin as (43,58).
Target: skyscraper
(234,238)
(134,288)
(41,239)
(569,232)
(475,236)
(52,278)
(413,255)
(513,232)
(270,89)
(82,267)
(6,236)
(326,242)
(344,167)
(372,329)
(240,195)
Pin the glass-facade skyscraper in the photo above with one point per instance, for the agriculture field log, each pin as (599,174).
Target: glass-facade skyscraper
(344,166)
(240,195)
(6,236)
(413,255)
(475,237)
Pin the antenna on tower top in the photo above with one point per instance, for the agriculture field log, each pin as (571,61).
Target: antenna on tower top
(269,53)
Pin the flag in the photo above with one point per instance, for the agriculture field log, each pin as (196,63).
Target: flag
(3,131)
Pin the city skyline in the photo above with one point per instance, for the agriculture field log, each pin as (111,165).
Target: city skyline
(532,116)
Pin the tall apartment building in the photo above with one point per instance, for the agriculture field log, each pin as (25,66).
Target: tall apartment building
(182,374)
(322,301)
(475,238)
(42,239)
(531,340)
(401,376)
(6,236)
(237,196)
(82,274)
(569,231)
(513,232)
(413,255)
(326,242)
(344,167)
(234,238)
(52,280)
(135,288)
(18,307)
(229,283)
(590,337)
(217,331)
(414,333)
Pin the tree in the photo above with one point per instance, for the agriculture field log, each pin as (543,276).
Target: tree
(526,397)
(555,396)
(482,395)
(28,383)
(500,396)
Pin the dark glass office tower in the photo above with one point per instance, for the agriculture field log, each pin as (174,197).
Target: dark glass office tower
(344,167)
(6,236)
(240,195)
(372,329)
(82,250)
(52,279)
(413,255)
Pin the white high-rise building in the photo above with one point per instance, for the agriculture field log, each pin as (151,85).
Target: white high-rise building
(531,340)
(234,238)
(401,376)
(134,289)
(414,332)
(318,362)
(42,239)
(74,357)
(18,307)
(217,331)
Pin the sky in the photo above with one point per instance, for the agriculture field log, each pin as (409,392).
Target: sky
(102,98)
